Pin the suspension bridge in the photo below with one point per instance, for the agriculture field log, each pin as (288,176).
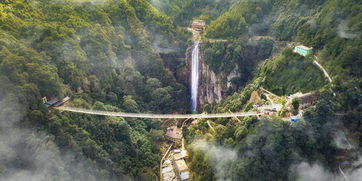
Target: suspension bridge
(157,116)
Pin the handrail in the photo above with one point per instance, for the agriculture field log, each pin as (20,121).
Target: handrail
(157,116)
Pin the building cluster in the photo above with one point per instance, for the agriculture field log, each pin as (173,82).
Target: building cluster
(276,104)
(198,25)
(168,174)
(175,167)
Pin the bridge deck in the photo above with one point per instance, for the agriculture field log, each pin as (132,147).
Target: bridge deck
(158,116)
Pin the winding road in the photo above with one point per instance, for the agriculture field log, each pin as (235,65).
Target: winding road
(324,70)
(315,61)
(157,116)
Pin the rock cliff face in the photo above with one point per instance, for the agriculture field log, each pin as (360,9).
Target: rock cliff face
(213,86)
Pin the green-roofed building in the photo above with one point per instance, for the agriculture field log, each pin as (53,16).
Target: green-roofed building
(303,50)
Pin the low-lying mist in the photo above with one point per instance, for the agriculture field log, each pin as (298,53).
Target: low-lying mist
(220,157)
(27,154)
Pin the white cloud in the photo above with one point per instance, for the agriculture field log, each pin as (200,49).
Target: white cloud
(342,31)
(220,158)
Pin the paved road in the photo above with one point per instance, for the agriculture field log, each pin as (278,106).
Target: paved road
(158,116)
(325,73)
(269,92)
(323,69)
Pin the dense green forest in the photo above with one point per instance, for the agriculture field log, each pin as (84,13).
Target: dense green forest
(303,76)
(183,11)
(100,48)
(270,148)
(123,55)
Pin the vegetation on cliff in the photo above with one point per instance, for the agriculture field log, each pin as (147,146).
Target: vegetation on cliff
(242,55)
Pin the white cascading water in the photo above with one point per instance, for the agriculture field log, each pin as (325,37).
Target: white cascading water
(195,76)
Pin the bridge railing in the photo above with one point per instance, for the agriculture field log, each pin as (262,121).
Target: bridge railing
(158,116)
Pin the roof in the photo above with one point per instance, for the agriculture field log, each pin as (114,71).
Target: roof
(304,47)
(184,175)
(166,163)
(293,118)
(51,102)
(168,176)
(184,153)
(167,169)
(174,132)
(59,103)
(198,24)
(202,22)
(66,99)
(181,166)
(178,156)
(176,150)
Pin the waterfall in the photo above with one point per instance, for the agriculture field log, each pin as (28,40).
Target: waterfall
(195,76)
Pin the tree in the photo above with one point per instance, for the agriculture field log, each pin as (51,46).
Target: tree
(295,103)
(240,132)
(129,104)
(229,25)
(161,99)
(153,83)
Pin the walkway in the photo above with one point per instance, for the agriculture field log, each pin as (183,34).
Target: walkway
(158,116)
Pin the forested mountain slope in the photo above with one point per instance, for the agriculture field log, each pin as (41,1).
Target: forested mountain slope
(108,52)
(332,27)
(114,55)
(183,11)
(272,148)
